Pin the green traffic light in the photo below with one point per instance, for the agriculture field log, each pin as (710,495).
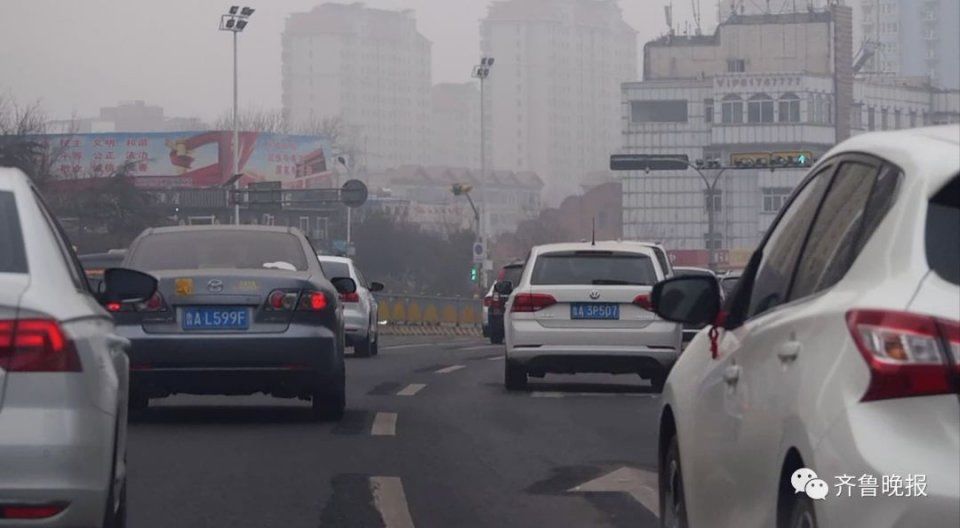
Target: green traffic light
(802,159)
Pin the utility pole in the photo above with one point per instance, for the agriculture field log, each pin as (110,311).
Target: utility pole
(234,21)
(481,72)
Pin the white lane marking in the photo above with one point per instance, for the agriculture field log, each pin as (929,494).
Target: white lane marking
(414,345)
(480,347)
(391,502)
(448,370)
(411,389)
(640,484)
(495,358)
(384,424)
(539,394)
(606,394)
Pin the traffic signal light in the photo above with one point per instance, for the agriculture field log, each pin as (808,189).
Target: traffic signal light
(787,159)
(474,273)
(459,188)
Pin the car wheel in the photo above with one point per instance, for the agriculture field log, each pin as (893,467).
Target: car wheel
(119,518)
(514,376)
(802,514)
(496,338)
(375,344)
(329,402)
(673,503)
(362,349)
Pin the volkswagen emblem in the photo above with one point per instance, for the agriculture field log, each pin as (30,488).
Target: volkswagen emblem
(215,286)
(594,294)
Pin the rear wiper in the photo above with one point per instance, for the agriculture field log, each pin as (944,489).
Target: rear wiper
(613,282)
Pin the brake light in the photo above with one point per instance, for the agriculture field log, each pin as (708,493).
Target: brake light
(643,301)
(279,300)
(532,302)
(36,345)
(312,301)
(153,304)
(39,511)
(905,352)
(350,297)
(114,306)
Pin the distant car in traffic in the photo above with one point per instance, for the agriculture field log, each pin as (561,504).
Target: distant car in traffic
(585,307)
(837,356)
(690,330)
(728,282)
(63,374)
(239,310)
(360,308)
(94,264)
(494,303)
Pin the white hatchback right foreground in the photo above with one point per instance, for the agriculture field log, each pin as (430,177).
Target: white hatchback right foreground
(838,352)
(584,307)
(63,376)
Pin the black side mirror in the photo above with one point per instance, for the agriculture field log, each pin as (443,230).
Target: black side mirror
(376,286)
(126,286)
(691,299)
(344,284)
(503,287)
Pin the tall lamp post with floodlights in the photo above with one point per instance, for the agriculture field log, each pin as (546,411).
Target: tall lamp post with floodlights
(234,21)
(481,72)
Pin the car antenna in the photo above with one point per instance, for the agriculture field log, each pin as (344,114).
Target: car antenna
(593,232)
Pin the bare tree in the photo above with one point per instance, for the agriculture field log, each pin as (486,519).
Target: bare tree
(23,141)
(255,120)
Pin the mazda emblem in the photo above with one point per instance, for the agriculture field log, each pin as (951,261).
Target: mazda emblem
(215,286)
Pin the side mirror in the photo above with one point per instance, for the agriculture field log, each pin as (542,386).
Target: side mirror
(691,299)
(121,285)
(503,287)
(376,286)
(344,284)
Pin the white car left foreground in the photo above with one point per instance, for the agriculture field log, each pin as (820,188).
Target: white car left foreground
(63,377)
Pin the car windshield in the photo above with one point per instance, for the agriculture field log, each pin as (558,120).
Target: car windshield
(680,272)
(334,269)
(593,268)
(208,249)
(13,258)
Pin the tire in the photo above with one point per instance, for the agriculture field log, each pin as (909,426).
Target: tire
(514,376)
(375,346)
(119,518)
(802,514)
(363,348)
(328,402)
(496,338)
(673,502)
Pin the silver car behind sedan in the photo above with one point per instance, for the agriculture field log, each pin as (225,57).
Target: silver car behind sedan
(63,377)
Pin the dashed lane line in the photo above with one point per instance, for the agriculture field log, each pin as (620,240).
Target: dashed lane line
(448,370)
(391,502)
(412,345)
(479,347)
(411,389)
(384,424)
(495,358)
(544,394)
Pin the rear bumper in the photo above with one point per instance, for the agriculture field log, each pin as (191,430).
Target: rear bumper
(56,455)
(609,359)
(289,364)
(356,323)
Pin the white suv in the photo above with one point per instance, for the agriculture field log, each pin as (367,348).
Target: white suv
(584,307)
(839,352)
(360,308)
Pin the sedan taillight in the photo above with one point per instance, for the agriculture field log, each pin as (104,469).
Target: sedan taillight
(643,301)
(36,345)
(531,302)
(281,301)
(352,297)
(312,301)
(908,354)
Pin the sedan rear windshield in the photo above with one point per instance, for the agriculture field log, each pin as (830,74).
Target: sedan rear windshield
(219,249)
(943,217)
(594,268)
(334,269)
(512,274)
(13,257)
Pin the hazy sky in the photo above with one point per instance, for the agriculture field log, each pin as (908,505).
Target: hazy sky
(78,55)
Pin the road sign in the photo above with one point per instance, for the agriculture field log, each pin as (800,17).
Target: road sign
(353,193)
(628,162)
(479,252)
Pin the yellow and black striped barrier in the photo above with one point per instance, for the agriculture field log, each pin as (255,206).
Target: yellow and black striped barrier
(423,315)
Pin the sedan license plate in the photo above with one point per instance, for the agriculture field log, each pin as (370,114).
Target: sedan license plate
(601,311)
(214,318)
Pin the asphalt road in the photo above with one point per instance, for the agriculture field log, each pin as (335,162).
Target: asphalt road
(430,439)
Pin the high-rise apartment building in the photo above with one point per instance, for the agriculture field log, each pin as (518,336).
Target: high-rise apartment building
(369,67)
(915,38)
(553,92)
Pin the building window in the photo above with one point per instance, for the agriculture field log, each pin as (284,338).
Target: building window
(658,111)
(708,110)
(736,65)
(913,118)
(871,118)
(896,119)
(713,200)
(789,108)
(760,109)
(884,118)
(774,198)
(731,109)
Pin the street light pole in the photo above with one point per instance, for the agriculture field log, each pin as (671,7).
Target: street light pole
(234,21)
(481,72)
(711,192)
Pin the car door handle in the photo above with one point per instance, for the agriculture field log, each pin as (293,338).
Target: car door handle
(731,374)
(789,351)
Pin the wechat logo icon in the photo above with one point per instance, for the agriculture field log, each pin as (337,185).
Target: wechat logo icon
(805,480)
